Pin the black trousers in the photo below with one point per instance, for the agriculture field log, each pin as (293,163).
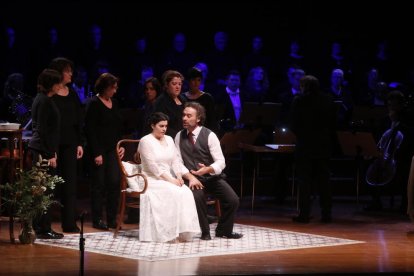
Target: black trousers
(313,174)
(105,188)
(229,203)
(67,169)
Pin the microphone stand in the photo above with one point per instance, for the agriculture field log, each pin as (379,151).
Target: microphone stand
(82,246)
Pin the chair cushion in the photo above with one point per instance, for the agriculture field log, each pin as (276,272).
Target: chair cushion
(135,183)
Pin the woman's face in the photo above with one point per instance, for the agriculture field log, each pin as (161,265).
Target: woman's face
(159,129)
(111,90)
(194,84)
(67,75)
(174,87)
(150,92)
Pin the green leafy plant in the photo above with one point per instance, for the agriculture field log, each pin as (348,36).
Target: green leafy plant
(32,192)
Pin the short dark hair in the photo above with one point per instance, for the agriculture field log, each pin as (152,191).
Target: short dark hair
(46,80)
(60,64)
(104,81)
(155,83)
(396,95)
(309,85)
(194,72)
(201,111)
(157,117)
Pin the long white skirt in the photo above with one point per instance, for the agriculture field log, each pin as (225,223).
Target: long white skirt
(167,211)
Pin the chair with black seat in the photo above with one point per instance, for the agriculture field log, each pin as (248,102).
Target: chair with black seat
(132,182)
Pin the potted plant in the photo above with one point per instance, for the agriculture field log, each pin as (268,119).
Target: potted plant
(30,196)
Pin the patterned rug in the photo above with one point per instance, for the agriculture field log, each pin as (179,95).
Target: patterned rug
(255,239)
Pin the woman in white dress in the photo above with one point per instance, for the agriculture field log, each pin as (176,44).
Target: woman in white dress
(167,209)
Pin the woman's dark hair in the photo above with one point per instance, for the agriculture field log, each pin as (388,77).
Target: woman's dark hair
(396,102)
(155,83)
(105,81)
(157,117)
(194,73)
(201,111)
(60,64)
(47,79)
(396,95)
(309,85)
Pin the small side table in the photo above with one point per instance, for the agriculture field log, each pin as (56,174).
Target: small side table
(13,155)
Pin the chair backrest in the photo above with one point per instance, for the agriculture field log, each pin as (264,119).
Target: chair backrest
(130,173)
(131,158)
(230,140)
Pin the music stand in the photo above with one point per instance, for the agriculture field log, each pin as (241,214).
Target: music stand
(260,114)
(357,144)
(369,117)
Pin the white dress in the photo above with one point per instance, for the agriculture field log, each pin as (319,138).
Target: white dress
(167,211)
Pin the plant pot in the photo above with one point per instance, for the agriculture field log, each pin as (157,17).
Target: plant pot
(27,234)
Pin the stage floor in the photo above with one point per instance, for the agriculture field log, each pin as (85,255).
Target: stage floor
(387,236)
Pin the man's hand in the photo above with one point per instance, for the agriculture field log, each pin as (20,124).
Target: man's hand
(98,160)
(79,152)
(53,162)
(194,183)
(202,170)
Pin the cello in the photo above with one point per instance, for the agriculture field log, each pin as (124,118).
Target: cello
(382,170)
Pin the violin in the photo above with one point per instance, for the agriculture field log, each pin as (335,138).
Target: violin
(382,170)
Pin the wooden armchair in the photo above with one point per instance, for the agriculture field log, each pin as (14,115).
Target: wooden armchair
(132,182)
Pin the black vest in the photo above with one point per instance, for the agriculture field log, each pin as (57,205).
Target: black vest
(197,153)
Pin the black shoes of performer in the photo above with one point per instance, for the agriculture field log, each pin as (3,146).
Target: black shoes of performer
(74,229)
(212,219)
(233,235)
(205,237)
(100,225)
(112,224)
(131,220)
(373,207)
(326,219)
(49,235)
(301,219)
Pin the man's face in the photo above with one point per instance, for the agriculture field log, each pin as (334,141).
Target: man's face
(233,82)
(190,120)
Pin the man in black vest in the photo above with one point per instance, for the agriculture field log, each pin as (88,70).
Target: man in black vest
(201,153)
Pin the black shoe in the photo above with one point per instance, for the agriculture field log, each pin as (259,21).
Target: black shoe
(74,229)
(205,237)
(326,219)
(301,219)
(100,225)
(49,235)
(131,221)
(212,219)
(373,207)
(112,225)
(232,235)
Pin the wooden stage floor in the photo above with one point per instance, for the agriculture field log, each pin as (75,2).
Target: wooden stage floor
(388,247)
